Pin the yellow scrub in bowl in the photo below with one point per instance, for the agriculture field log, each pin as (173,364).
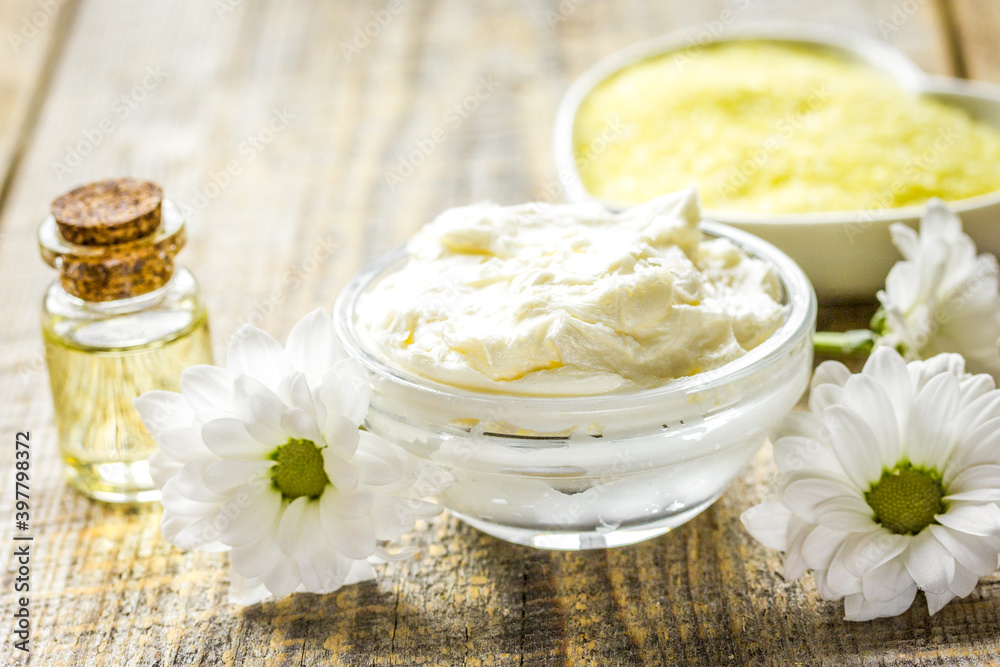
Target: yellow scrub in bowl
(813,138)
(772,127)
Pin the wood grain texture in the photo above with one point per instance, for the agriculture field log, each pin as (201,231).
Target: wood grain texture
(974,25)
(282,148)
(31,37)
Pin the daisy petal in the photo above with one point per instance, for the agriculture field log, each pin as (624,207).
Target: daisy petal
(255,353)
(261,410)
(978,387)
(208,387)
(965,581)
(806,494)
(182,444)
(250,509)
(187,533)
(855,446)
(229,439)
(312,345)
(255,558)
(888,370)
(224,476)
(360,571)
(929,563)
(795,565)
(341,435)
(298,423)
(823,396)
(162,468)
(768,524)
(848,514)
(793,453)
(324,572)
(869,551)
(984,409)
(390,517)
(866,398)
(886,582)
(798,423)
(857,608)
(972,519)
(300,529)
(838,579)
(929,429)
(189,481)
(355,538)
(245,592)
(282,579)
(374,470)
(905,239)
(979,446)
(341,473)
(820,546)
(163,410)
(337,503)
(345,391)
(300,396)
(980,482)
(937,601)
(830,372)
(174,502)
(974,554)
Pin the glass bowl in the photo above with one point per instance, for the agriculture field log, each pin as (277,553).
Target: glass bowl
(594,471)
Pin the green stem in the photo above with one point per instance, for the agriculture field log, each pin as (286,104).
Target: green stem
(844,343)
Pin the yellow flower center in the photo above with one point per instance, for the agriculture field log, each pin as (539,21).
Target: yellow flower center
(299,470)
(906,499)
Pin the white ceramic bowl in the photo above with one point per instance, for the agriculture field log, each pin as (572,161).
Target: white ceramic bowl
(585,472)
(846,254)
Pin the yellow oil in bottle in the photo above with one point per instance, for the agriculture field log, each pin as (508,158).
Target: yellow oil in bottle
(105,446)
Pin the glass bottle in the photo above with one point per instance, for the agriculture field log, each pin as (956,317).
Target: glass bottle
(120,320)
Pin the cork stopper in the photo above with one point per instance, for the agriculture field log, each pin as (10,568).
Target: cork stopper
(112,240)
(114,211)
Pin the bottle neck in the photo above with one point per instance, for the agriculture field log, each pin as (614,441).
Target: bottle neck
(120,306)
(115,272)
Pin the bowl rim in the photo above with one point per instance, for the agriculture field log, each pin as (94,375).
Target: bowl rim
(799,324)
(875,53)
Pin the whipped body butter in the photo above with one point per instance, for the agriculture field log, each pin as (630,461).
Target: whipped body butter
(570,300)
(587,379)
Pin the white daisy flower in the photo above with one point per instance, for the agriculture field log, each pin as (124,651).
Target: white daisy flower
(942,297)
(890,483)
(264,458)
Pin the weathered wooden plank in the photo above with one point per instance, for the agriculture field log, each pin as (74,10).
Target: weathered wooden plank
(31,33)
(372,146)
(974,25)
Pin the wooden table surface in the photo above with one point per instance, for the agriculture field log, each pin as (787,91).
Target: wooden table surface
(281,141)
